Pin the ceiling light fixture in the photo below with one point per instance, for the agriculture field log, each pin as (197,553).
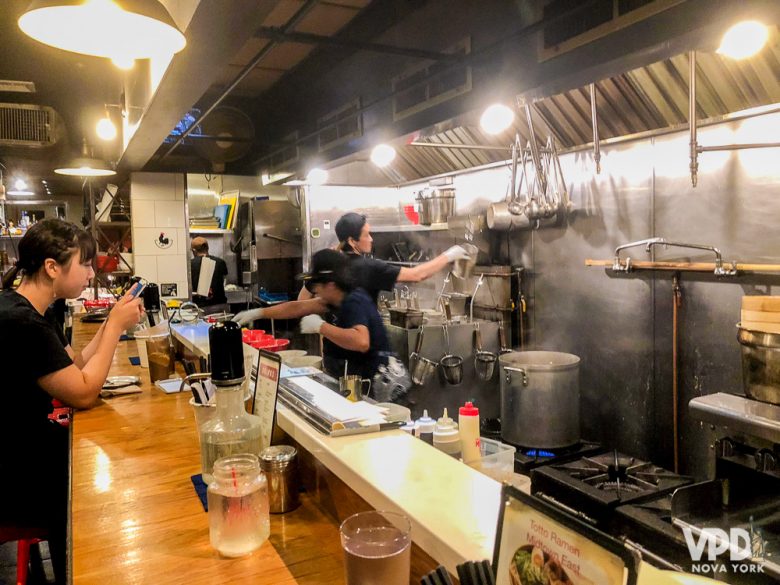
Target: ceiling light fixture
(121,29)
(744,39)
(382,155)
(317,176)
(20,184)
(86,166)
(497,118)
(20,192)
(123,62)
(105,128)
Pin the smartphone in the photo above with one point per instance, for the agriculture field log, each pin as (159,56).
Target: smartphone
(137,288)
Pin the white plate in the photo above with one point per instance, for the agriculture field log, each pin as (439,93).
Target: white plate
(119,381)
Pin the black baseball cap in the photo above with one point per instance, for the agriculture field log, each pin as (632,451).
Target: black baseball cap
(327,266)
(350,225)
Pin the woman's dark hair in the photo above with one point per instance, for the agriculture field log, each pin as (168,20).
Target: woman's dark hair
(51,238)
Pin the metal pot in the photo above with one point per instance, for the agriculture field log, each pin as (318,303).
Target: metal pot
(499,218)
(540,399)
(457,302)
(438,207)
(760,364)
(406,318)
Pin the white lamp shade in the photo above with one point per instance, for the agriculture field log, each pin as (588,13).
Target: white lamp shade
(125,29)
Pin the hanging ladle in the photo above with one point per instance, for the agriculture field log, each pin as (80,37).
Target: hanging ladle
(502,347)
(451,365)
(420,368)
(484,361)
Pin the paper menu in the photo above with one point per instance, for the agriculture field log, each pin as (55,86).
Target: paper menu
(334,405)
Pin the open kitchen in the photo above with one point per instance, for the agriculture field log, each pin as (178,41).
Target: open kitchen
(389,292)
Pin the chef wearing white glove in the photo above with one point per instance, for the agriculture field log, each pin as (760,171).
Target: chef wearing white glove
(354,234)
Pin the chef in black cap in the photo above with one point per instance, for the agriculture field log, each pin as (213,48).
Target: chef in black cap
(370,274)
(354,234)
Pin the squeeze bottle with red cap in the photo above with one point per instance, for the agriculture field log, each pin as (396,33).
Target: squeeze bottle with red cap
(468,421)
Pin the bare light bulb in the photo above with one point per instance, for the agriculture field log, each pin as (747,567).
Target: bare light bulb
(20,185)
(744,39)
(105,129)
(317,176)
(382,155)
(496,119)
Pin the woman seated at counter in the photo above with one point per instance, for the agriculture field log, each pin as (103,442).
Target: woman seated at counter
(55,262)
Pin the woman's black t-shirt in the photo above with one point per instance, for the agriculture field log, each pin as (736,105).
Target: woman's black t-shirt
(31,346)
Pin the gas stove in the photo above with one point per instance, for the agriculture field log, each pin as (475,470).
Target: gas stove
(528,459)
(595,485)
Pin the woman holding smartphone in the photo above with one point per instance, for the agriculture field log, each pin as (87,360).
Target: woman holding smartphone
(55,262)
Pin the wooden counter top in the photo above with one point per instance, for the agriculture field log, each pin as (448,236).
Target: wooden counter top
(135,515)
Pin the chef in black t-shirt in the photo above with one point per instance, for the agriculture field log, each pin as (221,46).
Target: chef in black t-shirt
(352,328)
(354,234)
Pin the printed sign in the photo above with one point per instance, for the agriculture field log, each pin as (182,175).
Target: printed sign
(164,241)
(539,548)
(265,371)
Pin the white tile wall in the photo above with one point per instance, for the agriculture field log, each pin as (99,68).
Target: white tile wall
(157,201)
(142,213)
(169,214)
(156,241)
(146,267)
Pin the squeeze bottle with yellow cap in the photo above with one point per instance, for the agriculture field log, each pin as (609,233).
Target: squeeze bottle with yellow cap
(468,421)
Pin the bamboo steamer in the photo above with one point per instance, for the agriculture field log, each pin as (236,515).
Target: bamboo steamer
(761,313)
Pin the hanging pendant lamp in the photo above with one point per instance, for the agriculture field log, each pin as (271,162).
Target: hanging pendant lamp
(122,29)
(85,165)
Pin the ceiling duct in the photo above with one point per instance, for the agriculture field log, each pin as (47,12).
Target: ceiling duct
(602,18)
(27,125)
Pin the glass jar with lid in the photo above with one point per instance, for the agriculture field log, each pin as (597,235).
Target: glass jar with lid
(239,521)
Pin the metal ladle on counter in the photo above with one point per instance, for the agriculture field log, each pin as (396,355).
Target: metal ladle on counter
(484,361)
(451,365)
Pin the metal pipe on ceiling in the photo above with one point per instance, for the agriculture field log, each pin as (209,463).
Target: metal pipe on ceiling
(280,36)
(459,146)
(694,152)
(595,118)
(289,25)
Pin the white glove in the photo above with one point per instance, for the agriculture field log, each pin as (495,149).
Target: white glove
(456,253)
(311,324)
(246,317)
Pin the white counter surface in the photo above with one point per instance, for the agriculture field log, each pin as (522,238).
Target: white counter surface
(453,509)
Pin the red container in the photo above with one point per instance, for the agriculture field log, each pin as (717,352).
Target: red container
(281,344)
(106,263)
(263,343)
(250,335)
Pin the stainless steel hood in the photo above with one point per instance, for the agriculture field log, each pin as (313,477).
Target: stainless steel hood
(650,98)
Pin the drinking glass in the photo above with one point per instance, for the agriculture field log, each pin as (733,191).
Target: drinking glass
(377,548)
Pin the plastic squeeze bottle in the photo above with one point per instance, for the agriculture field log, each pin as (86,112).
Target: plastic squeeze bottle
(423,428)
(446,437)
(468,421)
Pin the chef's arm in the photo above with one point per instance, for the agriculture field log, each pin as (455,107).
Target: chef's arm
(295,309)
(304,294)
(354,339)
(423,271)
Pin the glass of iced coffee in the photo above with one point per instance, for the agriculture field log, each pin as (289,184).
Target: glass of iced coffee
(377,548)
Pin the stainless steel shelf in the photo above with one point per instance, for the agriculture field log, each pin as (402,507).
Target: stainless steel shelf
(207,232)
(758,419)
(408,228)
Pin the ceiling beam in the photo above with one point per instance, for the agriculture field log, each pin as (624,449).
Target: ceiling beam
(280,36)
(216,32)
